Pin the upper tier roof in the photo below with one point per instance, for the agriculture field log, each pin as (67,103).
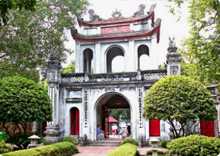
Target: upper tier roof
(117,20)
(127,35)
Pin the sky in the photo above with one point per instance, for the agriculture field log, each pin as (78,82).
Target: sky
(170,25)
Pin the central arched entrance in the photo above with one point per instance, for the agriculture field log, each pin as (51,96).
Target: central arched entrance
(112,109)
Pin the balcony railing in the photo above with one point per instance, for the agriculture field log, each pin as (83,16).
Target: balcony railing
(146,75)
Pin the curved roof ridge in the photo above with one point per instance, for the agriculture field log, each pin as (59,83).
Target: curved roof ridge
(128,35)
(110,21)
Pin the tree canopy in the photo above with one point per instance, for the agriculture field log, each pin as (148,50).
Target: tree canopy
(201,51)
(181,99)
(69,69)
(27,39)
(7,5)
(22,101)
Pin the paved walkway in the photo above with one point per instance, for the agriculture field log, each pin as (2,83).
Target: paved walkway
(103,151)
(143,151)
(94,150)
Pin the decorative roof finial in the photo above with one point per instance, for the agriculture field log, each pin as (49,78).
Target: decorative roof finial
(172,42)
(140,11)
(93,16)
(54,52)
(117,14)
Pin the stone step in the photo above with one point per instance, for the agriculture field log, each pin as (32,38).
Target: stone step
(105,143)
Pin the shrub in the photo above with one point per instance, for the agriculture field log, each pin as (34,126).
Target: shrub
(25,101)
(21,140)
(70,139)
(130,140)
(149,153)
(163,143)
(57,149)
(5,148)
(179,99)
(194,145)
(65,149)
(127,149)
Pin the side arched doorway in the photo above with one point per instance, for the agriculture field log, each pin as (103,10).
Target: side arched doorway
(74,121)
(112,105)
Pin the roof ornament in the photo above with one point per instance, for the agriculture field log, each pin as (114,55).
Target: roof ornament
(54,52)
(93,16)
(172,42)
(117,14)
(140,11)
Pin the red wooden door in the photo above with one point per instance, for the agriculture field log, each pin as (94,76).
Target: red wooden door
(154,127)
(106,122)
(74,116)
(44,125)
(207,128)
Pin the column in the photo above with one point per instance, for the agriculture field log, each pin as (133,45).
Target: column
(130,57)
(98,61)
(173,60)
(54,78)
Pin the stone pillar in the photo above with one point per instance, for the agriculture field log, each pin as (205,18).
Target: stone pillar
(130,57)
(98,61)
(173,59)
(54,78)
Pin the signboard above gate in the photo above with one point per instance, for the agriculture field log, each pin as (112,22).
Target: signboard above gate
(115,29)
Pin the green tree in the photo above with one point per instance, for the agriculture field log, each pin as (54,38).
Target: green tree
(116,113)
(7,5)
(181,99)
(201,51)
(69,69)
(22,101)
(27,39)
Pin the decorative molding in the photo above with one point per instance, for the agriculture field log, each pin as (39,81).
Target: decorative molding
(174,70)
(51,75)
(140,107)
(109,89)
(75,100)
(85,107)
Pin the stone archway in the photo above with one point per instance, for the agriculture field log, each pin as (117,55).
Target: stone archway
(142,50)
(113,52)
(112,100)
(87,60)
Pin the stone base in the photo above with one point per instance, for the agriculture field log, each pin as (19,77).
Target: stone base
(52,134)
(51,140)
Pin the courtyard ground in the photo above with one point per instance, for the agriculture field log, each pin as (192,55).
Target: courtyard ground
(94,150)
(103,151)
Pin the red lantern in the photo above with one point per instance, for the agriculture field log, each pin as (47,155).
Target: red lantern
(118,102)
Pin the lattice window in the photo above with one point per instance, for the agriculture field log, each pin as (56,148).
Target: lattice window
(72,79)
(154,76)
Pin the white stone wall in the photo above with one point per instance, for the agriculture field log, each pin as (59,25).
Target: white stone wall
(129,48)
(94,95)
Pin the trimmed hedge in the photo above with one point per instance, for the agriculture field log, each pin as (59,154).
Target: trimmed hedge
(70,139)
(149,153)
(194,145)
(5,148)
(130,140)
(163,143)
(57,149)
(127,149)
